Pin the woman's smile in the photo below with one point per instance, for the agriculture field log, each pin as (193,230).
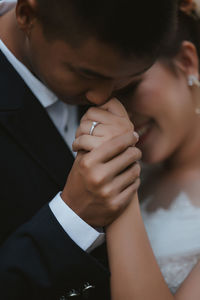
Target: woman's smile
(143,130)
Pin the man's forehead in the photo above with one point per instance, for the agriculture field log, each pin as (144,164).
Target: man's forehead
(102,60)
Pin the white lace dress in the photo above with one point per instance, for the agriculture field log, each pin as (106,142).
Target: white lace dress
(175,238)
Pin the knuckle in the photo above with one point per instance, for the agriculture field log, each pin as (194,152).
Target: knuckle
(130,125)
(125,124)
(130,138)
(132,153)
(81,139)
(77,132)
(114,207)
(138,181)
(80,129)
(105,192)
(91,112)
(74,146)
(137,184)
(136,169)
(85,164)
(115,131)
(132,189)
(118,145)
(96,178)
(138,153)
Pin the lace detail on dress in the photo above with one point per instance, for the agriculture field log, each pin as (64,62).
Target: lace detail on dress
(174,234)
(176,269)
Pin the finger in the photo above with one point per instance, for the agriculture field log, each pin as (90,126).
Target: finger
(123,199)
(100,115)
(111,148)
(115,106)
(128,177)
(87,143)
(101,174)
(101,130)
(85,126)
(123,161)
(128,193)
(121,182)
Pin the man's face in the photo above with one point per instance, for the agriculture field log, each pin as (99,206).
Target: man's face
(89,74)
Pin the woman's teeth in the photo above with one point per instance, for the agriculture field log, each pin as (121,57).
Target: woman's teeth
(142,130)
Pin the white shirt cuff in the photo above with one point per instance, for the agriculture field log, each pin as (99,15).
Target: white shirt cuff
(85,236)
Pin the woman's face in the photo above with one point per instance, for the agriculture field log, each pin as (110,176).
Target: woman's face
(162,110)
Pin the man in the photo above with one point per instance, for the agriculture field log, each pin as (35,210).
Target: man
(81,52)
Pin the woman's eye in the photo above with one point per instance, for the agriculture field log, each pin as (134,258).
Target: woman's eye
(127,91)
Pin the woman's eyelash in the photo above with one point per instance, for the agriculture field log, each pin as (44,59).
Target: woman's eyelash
(129,89)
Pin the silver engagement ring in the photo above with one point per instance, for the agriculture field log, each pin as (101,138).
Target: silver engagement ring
(94,124)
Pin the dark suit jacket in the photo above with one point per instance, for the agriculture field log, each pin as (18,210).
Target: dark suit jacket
(38,260)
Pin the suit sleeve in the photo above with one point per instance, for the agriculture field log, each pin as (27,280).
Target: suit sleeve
(40,261)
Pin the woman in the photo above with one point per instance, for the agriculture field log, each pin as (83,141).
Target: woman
(165,108)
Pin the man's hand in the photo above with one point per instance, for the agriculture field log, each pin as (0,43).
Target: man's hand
(102,181)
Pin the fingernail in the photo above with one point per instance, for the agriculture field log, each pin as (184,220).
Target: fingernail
(136,135)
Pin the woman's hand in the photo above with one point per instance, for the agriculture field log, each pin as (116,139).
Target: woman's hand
(112,121)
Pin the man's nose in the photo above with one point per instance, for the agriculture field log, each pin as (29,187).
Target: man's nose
(100,94)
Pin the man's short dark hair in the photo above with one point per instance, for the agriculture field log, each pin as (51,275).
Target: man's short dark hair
(133,27)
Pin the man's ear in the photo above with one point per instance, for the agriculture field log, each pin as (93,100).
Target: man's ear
(26,14)
(187,59)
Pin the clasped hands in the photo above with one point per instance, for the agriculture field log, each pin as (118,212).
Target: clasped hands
(105,174)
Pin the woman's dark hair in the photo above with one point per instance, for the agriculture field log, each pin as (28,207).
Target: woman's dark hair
(188,29)
(133,27)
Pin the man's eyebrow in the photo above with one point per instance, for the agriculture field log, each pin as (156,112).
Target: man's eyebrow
(93,73)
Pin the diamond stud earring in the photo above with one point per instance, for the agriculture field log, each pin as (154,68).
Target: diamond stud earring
(197,111)
(193,80)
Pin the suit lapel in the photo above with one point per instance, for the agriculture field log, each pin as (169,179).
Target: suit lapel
(27,121)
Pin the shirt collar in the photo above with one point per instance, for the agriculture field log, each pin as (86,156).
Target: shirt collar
(41,92)
(6,5)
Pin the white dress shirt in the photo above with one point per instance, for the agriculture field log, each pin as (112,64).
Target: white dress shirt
(64,117)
